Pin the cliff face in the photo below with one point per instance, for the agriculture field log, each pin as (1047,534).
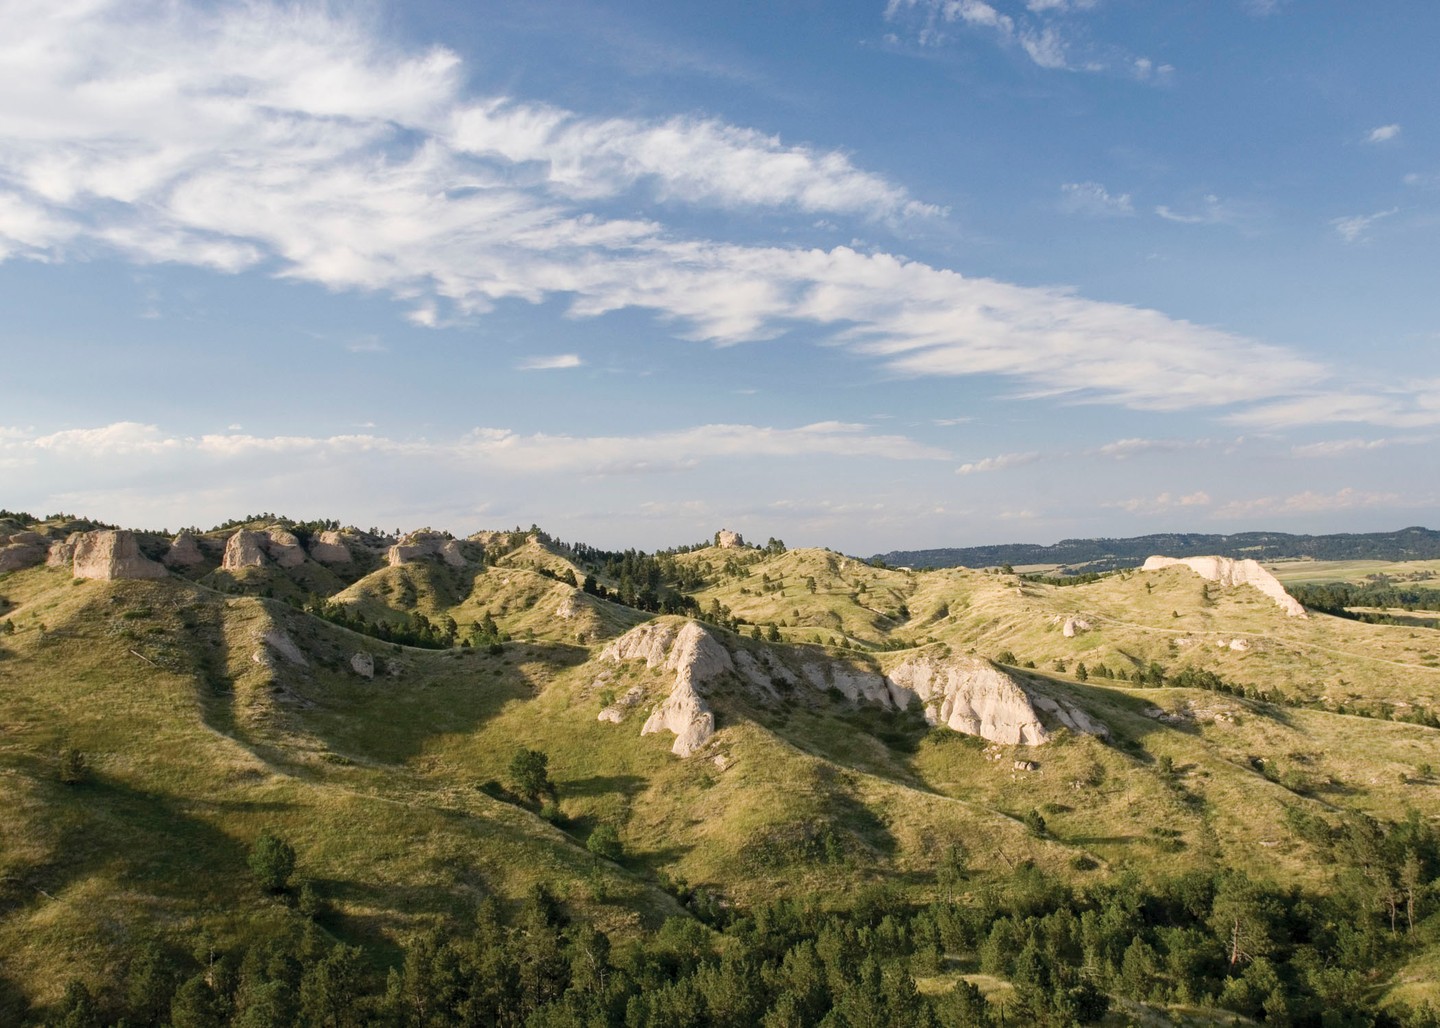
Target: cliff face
(113,555)
(329,548)
(243,550)
(1230,572)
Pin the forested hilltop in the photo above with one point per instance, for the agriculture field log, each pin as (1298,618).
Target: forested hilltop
(1108,554)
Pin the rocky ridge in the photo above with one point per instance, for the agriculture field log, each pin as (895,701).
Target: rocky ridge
(1230,572)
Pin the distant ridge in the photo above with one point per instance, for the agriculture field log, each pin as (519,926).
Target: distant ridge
(1106,554)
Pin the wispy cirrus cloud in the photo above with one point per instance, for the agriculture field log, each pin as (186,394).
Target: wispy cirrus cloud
(1356,228)
(1163,503)
(553,362)
(292,140)
(1383,134)
(1043,30)
(1094,200)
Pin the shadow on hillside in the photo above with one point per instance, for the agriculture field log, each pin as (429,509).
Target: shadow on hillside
(601,785)
(150,843)
(14,1005)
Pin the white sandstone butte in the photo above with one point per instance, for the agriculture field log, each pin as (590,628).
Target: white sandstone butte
(1230,572)
(426,544)
(109,555)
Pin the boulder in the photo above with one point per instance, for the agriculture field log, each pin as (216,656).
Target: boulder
(329,548)
(1230,572)
(184,551)
(363,664)
(1073,626)
(244,549)
(107,554)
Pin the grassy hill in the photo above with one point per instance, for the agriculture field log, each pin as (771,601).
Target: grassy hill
(212,709)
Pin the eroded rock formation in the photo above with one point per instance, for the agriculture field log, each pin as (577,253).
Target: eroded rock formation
(728,540)
(107,554)
(1230,572)
(416,545)
(23,549)
(329,548)
(973,696)
(243,550)
(184,551)
(695,657)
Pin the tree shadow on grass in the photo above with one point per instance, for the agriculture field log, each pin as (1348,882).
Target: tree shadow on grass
(602,785)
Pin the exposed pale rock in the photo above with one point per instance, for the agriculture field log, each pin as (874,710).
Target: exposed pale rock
(1074,626)
(695,657)
(108,554)
(363,664)
(283,645)
(244,549)
(1026,765)
(23,549)
(283,547)
(728,540)
(1071,716)
(1239,645)
(329,548)
(1230,572)
(974,697)
(568,608)
(62,552)
(184,551)
(615,712)
(416,545)
(857,685)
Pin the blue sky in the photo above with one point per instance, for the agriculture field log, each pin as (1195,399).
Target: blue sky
(860,274)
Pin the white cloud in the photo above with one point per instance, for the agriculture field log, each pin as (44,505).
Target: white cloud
(1092,198)
(1383,134)
(294,140)
(496,447)
(1309,503)
(1164,502)
(998,463)
(1121,449)
(557,361)
(1357,228)
(1341,447)
(1211,210)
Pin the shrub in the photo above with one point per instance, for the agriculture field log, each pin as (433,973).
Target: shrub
(272,861)
(604,842)
(74,766)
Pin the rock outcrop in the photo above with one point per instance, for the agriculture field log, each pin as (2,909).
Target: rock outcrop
(1073,626)
(244,549)
(329,548)
(363,664)
(22,549)
(695,657)
(184,551)
(107,554)
(277,545)
(416,545)
(1230,572)
(728,540)
(973,696)
(283,547)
